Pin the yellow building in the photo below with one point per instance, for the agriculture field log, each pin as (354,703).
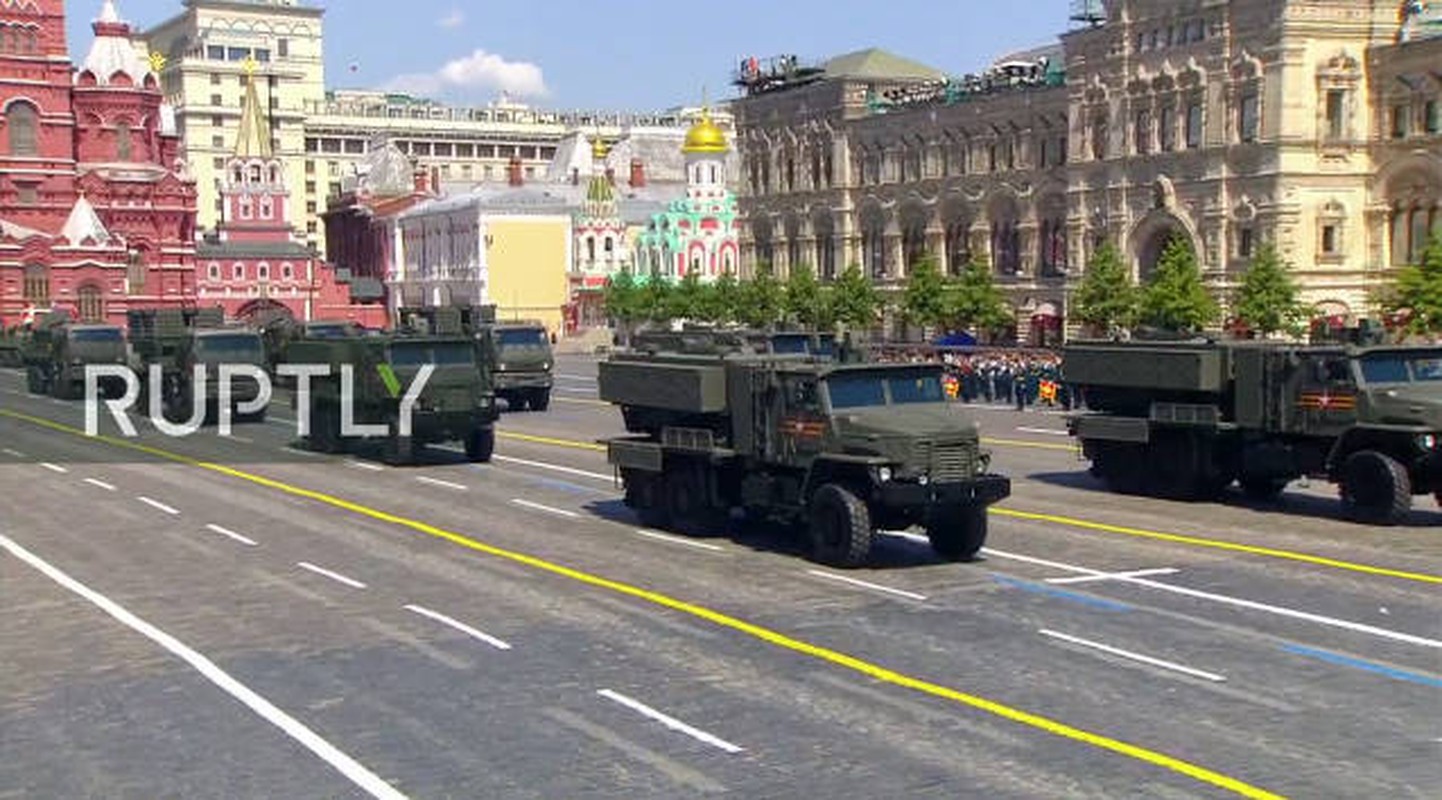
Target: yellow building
(527,257)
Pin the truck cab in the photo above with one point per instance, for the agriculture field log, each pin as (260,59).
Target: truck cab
(523,362)
(214,347)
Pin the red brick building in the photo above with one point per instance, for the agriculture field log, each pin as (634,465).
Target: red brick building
(97,213)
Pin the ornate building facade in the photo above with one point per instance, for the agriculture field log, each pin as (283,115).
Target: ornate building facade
(697,233)
(97,209)
(1305,125)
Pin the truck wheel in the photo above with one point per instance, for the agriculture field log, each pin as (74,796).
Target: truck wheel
(324,429)
(1263,489)
(688,501)
(540,400)
(1375,488)
(34,380)
(840,527)
(481,444)
(959,536)
(644,496)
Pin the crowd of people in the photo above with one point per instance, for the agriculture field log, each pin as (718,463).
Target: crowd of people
(1021,379)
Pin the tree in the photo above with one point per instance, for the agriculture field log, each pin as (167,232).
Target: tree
(1174,299)
(655,300)
(975,299)
(803,297)
(854,300)
(924,300)
(724,299)
(621,297)
(1417,293)
(687,300)
(762,298)
(1107,297)
(1267,301)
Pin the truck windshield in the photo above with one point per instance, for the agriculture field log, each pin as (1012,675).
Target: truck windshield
(240,348)
(1402,368)
(527,337)
(337,331)
(441,354)
(862,390)
(789,345)
(96,335)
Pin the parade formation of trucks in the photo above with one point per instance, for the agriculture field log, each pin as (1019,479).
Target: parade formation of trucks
(57,350)
(174,341)
(1186,419)
(840,451)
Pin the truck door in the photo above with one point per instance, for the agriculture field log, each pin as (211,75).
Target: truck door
(1327,398)
(801,425)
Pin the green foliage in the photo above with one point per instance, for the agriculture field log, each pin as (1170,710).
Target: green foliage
(804,297)
(622,297)
(687,300)
(924,301)
(762,298)
(655,303)
(1418,291)
(1267,301)
(724,299)
(976,301)
(1174,299)
(1107,297)
(854,300)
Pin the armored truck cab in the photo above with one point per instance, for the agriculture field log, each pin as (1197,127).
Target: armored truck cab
(837,450)
(1187,419)
(58,350)
(455,404)
(523,362)
(173,342)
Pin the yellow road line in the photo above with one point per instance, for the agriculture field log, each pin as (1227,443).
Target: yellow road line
(767,635)
(1217,544)
(1195,541)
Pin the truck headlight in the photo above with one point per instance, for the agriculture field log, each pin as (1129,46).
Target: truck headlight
(884,474)
(1427,441)
(923,479)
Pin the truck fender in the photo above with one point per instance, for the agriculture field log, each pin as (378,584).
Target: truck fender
(851,472)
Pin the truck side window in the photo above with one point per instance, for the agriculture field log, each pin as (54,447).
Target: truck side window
(801,395)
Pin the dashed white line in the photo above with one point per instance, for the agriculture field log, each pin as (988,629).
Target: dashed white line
(444,484)
(670,722)
(555,468)
(299,451)
(499,644)
(866,584)
(1254,605)
(156,504)
(342,763)
(366,466)
(10,451)
(1044,431)
(242,439)
(661,537)
(335,576)
(232,534)
(560,512)
(1117,651)
(101,484)
(54,467)
(1115,576)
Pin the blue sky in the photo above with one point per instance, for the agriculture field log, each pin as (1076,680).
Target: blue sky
(625,54)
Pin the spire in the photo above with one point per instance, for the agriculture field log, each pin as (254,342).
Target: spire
(253,140)
(108,14)
(84,224)
(112,51)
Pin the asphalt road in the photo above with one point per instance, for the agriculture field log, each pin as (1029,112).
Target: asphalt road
(236,618)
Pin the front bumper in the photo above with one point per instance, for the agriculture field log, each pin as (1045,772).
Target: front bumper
(984,491)
(521,380)
(441,426)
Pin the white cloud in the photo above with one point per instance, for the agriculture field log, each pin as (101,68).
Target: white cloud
(478,72)
(452,20)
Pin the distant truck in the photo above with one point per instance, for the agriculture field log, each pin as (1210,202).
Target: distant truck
(457,402)
(1186,419)
(523,362)
(58,351)
(840,451)
(175,341)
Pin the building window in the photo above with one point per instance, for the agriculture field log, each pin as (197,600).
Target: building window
(1411,228)
(1099,138)
(237,271)
(212,271)
(135,272)
(287,271)
(91,303)
(215,100)
(215,79)
(218,142)
(1330,244)
(1244,242)
(1399,121)
(1194,126)
(20,123)
(267,207)
(217,121)
(1167,128)
(1248,120)
(1430,121)
(262,272)
(282,48)
(37,284)
(247,207)
(1336,113)
(123,142)
(1143,132)
(27,194)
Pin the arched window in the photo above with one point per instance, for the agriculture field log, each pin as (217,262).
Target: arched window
(20,123)
(237,271)
(713,174)
(37,284)
(255,173)
(91,303)
(213,271)
(287,271)
(267,207)
(247,207)
(123,143)
(262,272)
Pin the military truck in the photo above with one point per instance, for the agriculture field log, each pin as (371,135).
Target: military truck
(838,450)
(1186,419)
(58,351)
(175,341)
(457,402)
(11,341)
(523,363)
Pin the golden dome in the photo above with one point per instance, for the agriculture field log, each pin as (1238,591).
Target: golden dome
(705,137)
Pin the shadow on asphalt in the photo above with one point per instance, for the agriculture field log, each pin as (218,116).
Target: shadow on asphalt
(1292,504)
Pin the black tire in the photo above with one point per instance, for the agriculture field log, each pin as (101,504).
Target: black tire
(688,500)
(324,429)
(645,496)
(1264,490)
(481,444)
(400,450)
(841,534)
(959,534)
(35,381)
(540,400)
(1375,488)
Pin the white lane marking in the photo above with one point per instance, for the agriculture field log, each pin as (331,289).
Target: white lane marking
(1156,662)
(102,484)
(232,534)
(156,504)
(1044,431)
(327,752)
(678,540)
(878,587)
(54,467)
(568,377)
(441,483)
(555,468)
(9,451)
(242,439)
(335,576)
(366,466)
(670,722)
(10,391)
(57,401)
(1280,611)
(299,451)
(460,626)
(1115,576)
(538,507)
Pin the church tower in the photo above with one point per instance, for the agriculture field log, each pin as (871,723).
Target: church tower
(705,150)
(253,191)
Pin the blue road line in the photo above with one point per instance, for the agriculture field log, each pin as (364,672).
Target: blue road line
(567,486)
(1366,666)
(1041,588)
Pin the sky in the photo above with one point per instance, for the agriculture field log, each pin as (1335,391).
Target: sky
(638,55)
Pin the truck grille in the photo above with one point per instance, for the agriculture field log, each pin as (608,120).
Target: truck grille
(947,461)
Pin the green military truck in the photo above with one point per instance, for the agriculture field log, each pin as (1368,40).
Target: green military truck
(58,351)
(1186,419)
(456,403)
(523,363)
(12,340)
(172,342)
(838,450)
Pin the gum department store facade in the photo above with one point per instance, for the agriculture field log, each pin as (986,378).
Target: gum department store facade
(1310,124)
